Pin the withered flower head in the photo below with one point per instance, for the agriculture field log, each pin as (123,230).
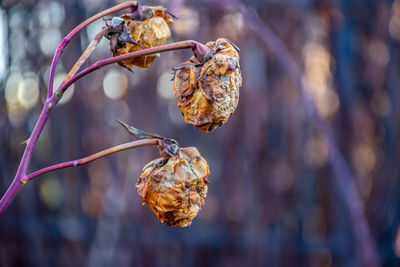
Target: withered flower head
(149,28)
(176,187)
(208,92)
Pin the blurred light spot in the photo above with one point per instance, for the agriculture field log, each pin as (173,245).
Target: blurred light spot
(51,14)
(16,114)
(93,4)
(394,23)
(230,26)
(316,152)
(17,18)
(12,87)
(397,243)
(115,84)
(92,202)
(316,57)
(165,87)
(318,78)
(381,103)
(51,192)
(328,103)
(364,158)
(175,114)
(3,49)
(28,91)
(378,52)
(49,41)
(281,177)
(58,79)
(188,22)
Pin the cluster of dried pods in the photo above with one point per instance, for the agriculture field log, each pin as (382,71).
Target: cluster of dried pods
(207,91)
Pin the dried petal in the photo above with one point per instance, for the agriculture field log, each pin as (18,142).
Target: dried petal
(151,32)
(175,188)
(208,93)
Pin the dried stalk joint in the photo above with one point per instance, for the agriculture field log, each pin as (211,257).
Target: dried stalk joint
(202,52)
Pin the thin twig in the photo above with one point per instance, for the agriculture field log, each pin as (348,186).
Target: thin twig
(85,55)
(51,102)
(77,29)
(101,63)
(98,155)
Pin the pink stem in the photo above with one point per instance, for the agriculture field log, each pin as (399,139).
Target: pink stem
(158,49)
(86,160)
(51,102)
(77,29)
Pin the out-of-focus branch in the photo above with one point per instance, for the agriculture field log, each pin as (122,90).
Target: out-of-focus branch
(365,243)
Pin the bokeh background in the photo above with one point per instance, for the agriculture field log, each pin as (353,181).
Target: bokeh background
(273,200)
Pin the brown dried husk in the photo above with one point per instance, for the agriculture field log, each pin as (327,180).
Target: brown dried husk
(208,93)
(149,33)
(177,190)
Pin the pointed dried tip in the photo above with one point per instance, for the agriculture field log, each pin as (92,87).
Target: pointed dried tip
(25,142)
(141,134)
(134,131)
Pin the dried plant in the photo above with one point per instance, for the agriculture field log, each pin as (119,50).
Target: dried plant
(207,89)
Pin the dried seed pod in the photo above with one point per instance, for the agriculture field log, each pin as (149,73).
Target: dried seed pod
(208,92)
(175,188)
(153,31)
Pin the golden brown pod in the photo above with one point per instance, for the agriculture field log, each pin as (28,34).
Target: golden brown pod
(208,93)
(175,188)
(153,31)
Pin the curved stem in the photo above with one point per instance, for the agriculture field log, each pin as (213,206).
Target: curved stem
(67,39)
(88,51)
(101,63)
(86,160)
(51,102)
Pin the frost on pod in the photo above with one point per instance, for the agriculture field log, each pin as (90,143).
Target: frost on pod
(152,31)
(208,92)
(175,188)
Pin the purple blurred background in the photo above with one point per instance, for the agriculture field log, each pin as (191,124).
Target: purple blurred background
(273,198)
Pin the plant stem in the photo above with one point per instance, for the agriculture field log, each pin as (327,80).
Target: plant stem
(86,160)
(51,102)
(67,39)
(158,49)
(82,59)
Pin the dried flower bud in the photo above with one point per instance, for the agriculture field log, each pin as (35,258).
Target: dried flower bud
(175,188)
(152,31)
(208,92)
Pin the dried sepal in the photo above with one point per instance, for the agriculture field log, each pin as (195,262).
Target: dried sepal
(142,134)
(175,188)
(208,92)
